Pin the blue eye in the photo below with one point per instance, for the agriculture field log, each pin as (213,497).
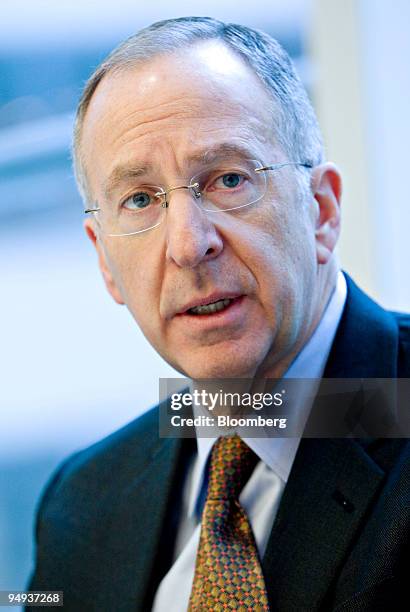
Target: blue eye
(138,201)
(231,180)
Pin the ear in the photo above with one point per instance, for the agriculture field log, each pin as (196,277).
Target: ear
(92,233)
(327,189)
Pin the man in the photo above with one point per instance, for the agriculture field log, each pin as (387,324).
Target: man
(200,161)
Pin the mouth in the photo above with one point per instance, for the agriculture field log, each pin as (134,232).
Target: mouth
(211,308)
(221,311)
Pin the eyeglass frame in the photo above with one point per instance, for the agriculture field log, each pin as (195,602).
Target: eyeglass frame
(194,187)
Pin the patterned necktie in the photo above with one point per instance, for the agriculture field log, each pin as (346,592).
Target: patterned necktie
(228,574)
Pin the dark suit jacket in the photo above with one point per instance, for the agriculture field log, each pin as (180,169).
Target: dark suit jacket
(340,541)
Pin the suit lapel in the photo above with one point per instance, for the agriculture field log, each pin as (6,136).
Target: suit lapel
(329,490)
(133,526)
(333,482)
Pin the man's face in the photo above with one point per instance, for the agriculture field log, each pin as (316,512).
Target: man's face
(162,117)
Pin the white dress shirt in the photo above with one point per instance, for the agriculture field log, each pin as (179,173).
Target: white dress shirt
(262,493)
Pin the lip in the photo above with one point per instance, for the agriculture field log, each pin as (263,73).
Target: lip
(213,297)
(233,317)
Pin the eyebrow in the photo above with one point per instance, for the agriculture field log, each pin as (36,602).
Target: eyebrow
(123,173)
(220,150)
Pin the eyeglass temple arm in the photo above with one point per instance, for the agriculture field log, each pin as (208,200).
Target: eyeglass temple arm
(277,166)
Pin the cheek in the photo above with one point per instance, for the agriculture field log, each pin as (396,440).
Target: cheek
(138,281)
(141,300)
(279,249)
(273,243)
(293,239)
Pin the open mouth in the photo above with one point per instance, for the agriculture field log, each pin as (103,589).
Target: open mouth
(212,308)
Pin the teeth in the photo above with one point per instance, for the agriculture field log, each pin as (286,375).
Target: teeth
(210,308)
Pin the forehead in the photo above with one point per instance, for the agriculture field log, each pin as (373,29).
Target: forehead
(171,106)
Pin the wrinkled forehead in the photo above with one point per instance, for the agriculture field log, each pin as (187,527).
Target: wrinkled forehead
(190,100)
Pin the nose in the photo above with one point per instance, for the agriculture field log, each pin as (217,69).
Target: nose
(192,237)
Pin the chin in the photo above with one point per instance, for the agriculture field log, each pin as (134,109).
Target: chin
(221,368)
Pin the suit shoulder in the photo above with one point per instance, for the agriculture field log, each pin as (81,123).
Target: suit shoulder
(135,438)
(88,475)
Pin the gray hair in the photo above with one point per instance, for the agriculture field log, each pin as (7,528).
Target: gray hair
(296,126)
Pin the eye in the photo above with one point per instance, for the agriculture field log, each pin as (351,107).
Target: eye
(230,180)
(138,201)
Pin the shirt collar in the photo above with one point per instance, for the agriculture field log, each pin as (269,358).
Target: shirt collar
(278,453)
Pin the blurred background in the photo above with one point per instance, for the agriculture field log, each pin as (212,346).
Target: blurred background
(74,366)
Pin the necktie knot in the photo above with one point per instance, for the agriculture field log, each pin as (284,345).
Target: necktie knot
(232,463)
